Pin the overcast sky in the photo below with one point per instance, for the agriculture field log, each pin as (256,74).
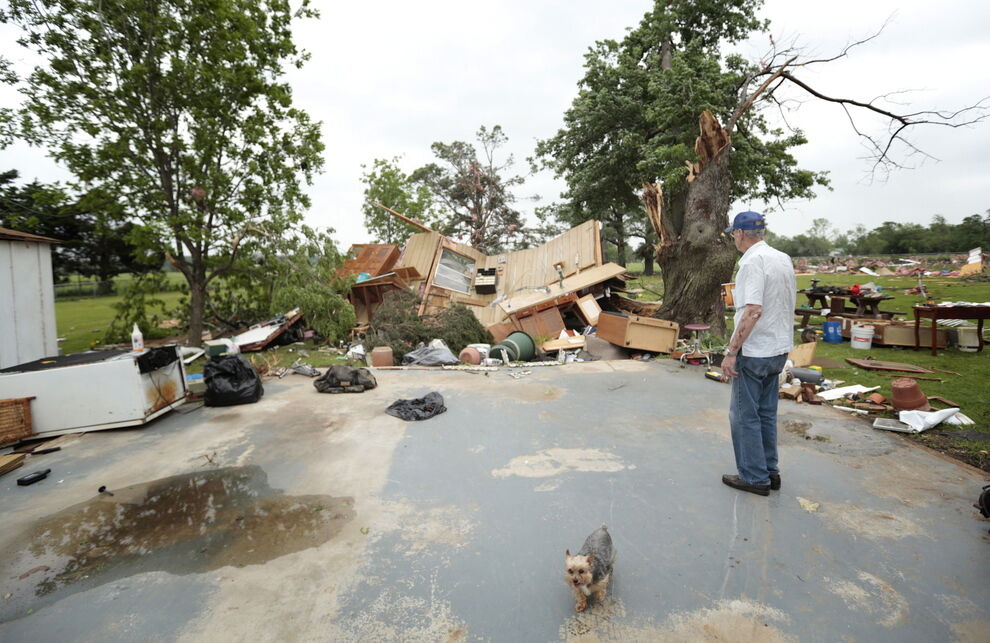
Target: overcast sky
(389,78)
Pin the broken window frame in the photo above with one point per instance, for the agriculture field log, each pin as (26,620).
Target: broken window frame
(458,277)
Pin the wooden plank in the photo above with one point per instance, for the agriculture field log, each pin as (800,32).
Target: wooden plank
(649,334)
(582,280)
(502,330)
(545,323)
(910,377)
(372,258)
(612,328)
(875,365)
(402,217)
(468,300)
(567,343)
(10,462)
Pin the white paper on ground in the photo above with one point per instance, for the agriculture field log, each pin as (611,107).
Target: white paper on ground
(836,393)
(960,418)
(924,420)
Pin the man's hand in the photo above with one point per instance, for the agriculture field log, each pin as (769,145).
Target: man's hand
(729,366)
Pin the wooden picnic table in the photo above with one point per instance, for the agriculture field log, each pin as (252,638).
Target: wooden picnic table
(870,305)
(935,313)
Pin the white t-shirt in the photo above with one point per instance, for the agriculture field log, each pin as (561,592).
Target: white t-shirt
(766,278)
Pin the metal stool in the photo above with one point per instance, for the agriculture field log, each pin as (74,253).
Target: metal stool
(695,347)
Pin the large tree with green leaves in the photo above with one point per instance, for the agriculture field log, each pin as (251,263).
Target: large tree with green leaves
(178,109)
(633,132)
(474,198)
(93,239)
(386,184)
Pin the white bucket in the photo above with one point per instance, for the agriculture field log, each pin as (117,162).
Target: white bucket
(969,341)
(481,348)
(861,337)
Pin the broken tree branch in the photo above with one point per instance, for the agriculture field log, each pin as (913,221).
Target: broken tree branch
(403,217)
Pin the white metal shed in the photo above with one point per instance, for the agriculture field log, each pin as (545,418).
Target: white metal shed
(27,298)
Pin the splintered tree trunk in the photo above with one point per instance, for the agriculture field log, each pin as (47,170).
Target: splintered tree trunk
(694,257)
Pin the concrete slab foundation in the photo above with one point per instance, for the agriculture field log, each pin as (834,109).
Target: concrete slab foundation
(318,517)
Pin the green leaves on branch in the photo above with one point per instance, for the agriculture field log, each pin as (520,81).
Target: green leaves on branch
(386,183)
(635,118)
(178,110)
(308,279)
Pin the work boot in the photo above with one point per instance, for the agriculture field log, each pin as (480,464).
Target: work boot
(774,482)
(738,483)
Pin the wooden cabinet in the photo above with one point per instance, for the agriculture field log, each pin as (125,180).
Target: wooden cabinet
(641,333)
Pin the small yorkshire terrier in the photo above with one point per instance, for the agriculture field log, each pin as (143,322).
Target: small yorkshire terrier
(589,571)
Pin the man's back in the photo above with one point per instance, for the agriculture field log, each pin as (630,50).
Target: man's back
(766,279)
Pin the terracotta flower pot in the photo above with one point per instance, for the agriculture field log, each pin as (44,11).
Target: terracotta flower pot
(470,355)
(906,395)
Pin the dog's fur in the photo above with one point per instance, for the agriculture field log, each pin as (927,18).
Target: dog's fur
(589,571)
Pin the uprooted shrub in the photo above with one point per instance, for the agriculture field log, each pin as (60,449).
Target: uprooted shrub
(398,325)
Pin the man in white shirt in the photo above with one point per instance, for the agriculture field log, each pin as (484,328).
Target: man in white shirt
(763,336)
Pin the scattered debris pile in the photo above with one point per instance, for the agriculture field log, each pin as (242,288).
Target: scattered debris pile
(947,265)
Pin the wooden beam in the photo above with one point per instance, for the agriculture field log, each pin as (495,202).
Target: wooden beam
(415,224)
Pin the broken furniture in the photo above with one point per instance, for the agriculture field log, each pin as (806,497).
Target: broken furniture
(97,390)
(870,305)
(641,333)
(936,313)
(15,419)
(366,296)
(694,351)
(260,336)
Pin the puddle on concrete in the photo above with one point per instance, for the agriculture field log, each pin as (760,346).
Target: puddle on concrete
(184,524)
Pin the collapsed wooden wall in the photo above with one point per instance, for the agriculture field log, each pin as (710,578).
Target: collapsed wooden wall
(578,249)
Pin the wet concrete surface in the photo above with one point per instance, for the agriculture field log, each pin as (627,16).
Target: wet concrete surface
(185,524)
(318,517)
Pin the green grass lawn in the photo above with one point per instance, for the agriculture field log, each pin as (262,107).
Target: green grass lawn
(83,321)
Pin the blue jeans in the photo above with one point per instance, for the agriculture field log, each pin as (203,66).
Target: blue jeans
(753,417)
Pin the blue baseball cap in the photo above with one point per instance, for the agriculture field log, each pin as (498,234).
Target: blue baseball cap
(747,220)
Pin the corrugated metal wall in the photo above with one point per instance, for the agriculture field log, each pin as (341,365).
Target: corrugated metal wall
(27,302)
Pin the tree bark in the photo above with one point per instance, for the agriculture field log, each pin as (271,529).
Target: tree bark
(694,256)
(648,269)
(197,306)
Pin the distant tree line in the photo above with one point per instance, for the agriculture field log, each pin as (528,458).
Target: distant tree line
(889,238)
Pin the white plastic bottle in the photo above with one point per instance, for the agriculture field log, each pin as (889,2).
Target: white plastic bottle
(137,340)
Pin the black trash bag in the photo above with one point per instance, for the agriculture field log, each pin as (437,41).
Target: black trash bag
(429,356)
(345,379)
(230,380)
(422,408)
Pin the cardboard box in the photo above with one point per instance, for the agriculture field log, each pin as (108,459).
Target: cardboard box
(641,333)
(803,354)
(903,335)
